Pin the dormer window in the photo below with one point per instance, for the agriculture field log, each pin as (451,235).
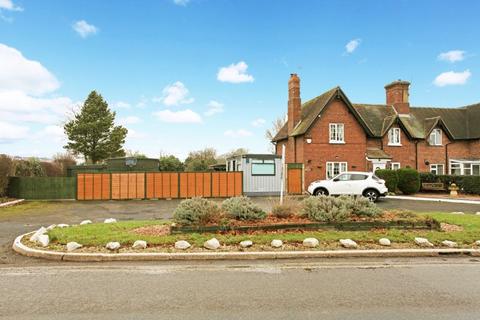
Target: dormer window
(435,138)
(337,133)
(394,137)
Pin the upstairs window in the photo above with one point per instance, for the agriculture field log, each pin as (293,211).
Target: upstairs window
(337,133)
(394,137)
(435,137)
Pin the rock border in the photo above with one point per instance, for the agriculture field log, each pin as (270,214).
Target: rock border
(11,203)
(20,248)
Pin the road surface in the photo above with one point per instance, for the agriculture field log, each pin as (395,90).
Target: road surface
(394,289)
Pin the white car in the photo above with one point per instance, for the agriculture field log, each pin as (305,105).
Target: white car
(364,184)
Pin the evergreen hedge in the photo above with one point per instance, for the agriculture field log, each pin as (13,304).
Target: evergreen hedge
(408,180)
(467,184)
(390,177)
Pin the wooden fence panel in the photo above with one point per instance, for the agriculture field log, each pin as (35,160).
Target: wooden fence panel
(115,186)
(238,183)
(88,186)
(140,185)
(207,184)
(105,186)
(97,186)
(81,186)
(166,185)
(174,187)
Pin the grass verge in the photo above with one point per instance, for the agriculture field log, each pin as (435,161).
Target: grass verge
(100,234)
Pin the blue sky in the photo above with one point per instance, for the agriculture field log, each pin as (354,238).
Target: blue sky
(184,75)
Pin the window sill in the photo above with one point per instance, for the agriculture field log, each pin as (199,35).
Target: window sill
(337,142)
(435,145)
(394,145)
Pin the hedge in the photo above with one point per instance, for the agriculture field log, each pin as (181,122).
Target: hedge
(390,177)
(467,184)
(408,180)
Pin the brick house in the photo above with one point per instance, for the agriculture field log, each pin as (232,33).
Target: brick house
(329,134)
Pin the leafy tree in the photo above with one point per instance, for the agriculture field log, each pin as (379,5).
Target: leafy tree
(6,170)
(29,168)
(63,161)
(200,160)
(170,163)
(92,132)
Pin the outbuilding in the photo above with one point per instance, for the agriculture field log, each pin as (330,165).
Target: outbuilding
(262,173)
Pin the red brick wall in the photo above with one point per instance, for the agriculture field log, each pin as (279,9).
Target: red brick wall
(405,154)
(317,153)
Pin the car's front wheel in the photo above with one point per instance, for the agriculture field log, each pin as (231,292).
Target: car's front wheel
(371,195)
(320,192)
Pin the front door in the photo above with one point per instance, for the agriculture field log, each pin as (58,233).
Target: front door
(378,165)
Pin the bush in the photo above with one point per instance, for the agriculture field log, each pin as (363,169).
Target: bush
(325,209)
(6,170)
(408,180)
(290,207)
(361,206)
(467,184)
(242,208)
(196,211)
(390,177)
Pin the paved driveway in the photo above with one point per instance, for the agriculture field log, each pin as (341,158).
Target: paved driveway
(73,212)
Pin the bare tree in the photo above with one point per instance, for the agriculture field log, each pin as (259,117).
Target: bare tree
(272,132)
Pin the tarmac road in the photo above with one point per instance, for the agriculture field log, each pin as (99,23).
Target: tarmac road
(433,288)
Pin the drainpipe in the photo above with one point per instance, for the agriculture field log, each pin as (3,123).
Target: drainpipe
(416,155)
(447,164)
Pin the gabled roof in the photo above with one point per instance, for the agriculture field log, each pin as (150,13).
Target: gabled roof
(376,119)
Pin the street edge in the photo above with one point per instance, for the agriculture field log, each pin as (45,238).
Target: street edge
(22,249)
(11,203)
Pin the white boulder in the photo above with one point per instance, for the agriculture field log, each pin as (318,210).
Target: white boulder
(457,212)
(477,243)
(348,243)
(51,227)
(113,246)
(212,244)
(38,233)
(43,240)
(385,242)
(310,242)
(85,222)
(63,225)
(276,243)
(182,245)
(246,244)
(450,244)
(140,244)
(422,242)
(110,220)
(72,246)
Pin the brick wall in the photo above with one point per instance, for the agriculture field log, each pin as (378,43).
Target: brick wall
(405,154)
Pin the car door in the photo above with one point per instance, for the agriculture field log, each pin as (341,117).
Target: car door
(341,184)
(357,183)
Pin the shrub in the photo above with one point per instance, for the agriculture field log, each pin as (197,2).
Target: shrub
(6,170)
(290,207)
(197,211)
(390,177)
(361,206)
(242,208)
(408,180)
(467,184)
(325,209)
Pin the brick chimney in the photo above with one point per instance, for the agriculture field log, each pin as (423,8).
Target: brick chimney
(397,96)
(294,102)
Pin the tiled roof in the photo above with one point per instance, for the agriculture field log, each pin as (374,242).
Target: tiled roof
(375,153)
(459,123)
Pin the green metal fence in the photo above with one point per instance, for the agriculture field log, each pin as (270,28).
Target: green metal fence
(42,187)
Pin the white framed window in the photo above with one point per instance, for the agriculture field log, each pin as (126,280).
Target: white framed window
(437,168)
(337,133)
(335,168)
(465,167)
(435,138)
(456,168)
(394,137)
(395,165)
(263,167)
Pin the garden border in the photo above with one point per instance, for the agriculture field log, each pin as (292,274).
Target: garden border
(20,248)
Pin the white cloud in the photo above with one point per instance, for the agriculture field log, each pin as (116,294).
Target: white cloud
(451,78)
(10,132)
(237,133)
(9,5)
(235,73)
(182,116)
(52,132)
(121,105)
(129,120)
(213,108)
(181,2)
(352,45)
(133,134)
(20,73)
(84,29)
(259,122)
(452,56)
(174,95)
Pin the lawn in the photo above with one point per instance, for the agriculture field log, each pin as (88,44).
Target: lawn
(99,234)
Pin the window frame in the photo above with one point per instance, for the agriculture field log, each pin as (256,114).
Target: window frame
(434,169)
(341,165)
(391,137)
(262,162)
(438,139)
(396,164)
(335,126)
